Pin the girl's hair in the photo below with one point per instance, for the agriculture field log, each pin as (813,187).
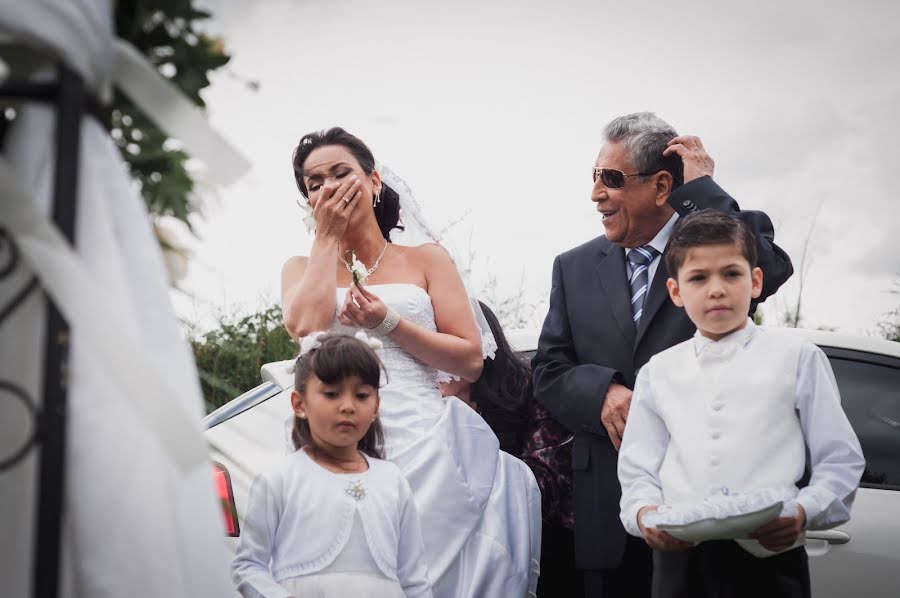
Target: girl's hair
(503,390)
(336,358)
(387,212)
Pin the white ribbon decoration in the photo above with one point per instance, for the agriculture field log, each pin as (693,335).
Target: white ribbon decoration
(70,285)
(175,114)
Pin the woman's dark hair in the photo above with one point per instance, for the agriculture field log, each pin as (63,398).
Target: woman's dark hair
(387,212)
(708,227)
(338,357)
(503,390)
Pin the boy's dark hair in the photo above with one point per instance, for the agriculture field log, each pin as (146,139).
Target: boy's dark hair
(707,227)
(338,357)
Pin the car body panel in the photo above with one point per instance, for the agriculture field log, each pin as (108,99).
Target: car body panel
(869,564)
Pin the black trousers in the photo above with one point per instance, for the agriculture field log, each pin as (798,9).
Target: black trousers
(631,579)
(559,577)
(722,569)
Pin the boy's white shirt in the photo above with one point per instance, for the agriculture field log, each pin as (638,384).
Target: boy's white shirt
(835,456)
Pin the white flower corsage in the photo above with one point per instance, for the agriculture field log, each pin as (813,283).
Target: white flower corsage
(358,270)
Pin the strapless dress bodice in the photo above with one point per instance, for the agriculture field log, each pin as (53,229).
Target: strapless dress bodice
(413,303)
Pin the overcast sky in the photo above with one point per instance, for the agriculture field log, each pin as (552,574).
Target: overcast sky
(492,112)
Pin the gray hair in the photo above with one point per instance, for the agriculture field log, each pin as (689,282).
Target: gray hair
(645,136)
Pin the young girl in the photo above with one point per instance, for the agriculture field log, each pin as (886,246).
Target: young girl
(333,519)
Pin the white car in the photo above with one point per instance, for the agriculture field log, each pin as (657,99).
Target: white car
(860,558)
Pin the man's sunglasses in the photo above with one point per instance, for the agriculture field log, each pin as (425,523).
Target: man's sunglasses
(615,179)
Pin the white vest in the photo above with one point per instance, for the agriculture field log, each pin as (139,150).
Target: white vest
(730,413)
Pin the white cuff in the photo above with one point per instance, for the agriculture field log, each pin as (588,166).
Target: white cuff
(823,509)
(629,516)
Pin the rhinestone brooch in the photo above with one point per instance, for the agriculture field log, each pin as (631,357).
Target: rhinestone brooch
(356,490)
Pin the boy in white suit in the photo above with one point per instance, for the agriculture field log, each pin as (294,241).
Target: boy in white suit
(735,407)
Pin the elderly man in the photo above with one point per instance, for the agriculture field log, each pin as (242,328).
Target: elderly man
(610,313)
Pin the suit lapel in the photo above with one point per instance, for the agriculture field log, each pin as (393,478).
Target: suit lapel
(657,295)
(614,283)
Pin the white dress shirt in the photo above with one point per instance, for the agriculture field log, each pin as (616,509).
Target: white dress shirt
(303,519)
(834,453)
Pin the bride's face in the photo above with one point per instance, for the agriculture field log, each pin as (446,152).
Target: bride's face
(328,167)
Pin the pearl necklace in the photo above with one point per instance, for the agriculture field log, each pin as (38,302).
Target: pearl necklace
(371,270)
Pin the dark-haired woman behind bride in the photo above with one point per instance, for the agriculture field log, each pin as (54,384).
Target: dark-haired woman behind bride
(479,508)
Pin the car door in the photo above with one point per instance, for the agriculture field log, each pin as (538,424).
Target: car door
(862,557)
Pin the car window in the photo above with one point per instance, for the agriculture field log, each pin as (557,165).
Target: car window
(870,394)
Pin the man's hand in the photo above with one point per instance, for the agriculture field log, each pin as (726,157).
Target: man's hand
(781,533)
(658,539)
(614,412)
(697,163)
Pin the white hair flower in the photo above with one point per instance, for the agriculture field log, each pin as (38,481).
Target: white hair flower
(310,341)
(371,341)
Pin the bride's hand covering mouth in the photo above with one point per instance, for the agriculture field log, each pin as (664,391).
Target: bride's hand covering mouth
(334,205)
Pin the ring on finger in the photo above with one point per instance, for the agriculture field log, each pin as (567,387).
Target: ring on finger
(347,199)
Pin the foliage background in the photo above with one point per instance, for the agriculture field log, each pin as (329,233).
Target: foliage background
(169,33)
(166,32)
(229,356)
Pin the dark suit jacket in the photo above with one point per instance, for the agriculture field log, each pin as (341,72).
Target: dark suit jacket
(589,340)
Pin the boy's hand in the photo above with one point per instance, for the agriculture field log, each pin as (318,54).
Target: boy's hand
(658,539)
(781,533)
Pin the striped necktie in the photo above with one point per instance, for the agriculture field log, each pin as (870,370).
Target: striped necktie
(640,258)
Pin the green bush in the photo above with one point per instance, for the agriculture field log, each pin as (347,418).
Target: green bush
(229,357)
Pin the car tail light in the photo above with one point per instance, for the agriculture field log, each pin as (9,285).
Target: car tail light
(226,498)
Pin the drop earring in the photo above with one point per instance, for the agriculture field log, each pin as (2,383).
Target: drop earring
(376,199)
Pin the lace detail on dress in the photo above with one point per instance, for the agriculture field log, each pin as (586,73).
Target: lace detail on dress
(488,345)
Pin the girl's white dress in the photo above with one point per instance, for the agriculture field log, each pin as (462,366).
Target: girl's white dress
(479,508)
(309,532)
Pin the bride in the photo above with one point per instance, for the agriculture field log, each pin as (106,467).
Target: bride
(479,507)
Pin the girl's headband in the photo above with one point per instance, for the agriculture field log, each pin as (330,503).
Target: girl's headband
(311,342)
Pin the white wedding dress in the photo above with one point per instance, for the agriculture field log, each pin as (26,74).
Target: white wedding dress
(480,508)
